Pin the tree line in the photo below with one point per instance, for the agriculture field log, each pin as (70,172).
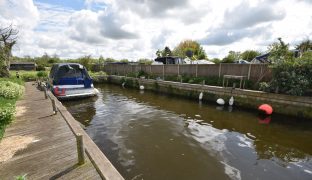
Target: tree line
(187,48)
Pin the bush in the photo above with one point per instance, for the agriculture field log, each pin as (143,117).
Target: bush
(42,74)
(7,110)
(9,93)
(11,90)
(291,78)
(291,75)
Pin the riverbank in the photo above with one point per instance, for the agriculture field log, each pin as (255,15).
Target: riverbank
(10,91)
(42,144)
(297,106)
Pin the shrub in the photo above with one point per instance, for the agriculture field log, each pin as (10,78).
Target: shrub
(290,75)
(42,74)
(7,110)
(293,78)
(11,90)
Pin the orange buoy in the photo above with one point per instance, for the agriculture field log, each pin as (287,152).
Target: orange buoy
(267,109)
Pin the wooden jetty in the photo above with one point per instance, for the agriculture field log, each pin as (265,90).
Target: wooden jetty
(52,152)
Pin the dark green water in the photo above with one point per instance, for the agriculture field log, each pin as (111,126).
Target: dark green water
(153,136)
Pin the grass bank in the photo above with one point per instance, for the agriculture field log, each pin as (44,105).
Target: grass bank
(11,89)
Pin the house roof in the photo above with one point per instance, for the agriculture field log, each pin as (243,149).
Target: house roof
(29,63)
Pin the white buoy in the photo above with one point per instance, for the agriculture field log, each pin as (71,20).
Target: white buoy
(220,101)
(201,96)
(141,87)
(231,101)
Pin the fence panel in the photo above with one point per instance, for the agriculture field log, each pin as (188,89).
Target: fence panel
(208,70)
(252,71)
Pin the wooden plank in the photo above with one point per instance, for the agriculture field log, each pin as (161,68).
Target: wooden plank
(56,149)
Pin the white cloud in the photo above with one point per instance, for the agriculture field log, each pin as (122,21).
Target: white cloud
(137,28)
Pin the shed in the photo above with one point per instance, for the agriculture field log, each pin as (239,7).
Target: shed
(27,66)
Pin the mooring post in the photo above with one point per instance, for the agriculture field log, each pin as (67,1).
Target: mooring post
(54,106)
(45,93)
(80,149)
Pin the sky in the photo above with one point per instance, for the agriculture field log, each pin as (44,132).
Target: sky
(134,29)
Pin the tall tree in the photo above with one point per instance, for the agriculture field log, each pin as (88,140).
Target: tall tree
(8,38)
(304,46)
(86,61)
(166,52)
(158,53)
(187,47)
(279,52)
(249,55)
(231,57)
(101,60)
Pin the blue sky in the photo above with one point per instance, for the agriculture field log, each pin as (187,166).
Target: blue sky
(135,29)
(73,4)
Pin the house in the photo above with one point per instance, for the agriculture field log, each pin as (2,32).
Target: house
(27,66)
(169,60)
(200,61)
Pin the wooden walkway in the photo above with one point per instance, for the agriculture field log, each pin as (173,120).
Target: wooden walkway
(52,154)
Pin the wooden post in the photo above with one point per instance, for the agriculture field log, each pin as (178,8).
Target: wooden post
(45,93)
(249,71)
(54,106)
(196,69)
(178,69)
(219,70)
(163,72)
(80,149)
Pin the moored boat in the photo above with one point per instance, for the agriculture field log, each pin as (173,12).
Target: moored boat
(70,81)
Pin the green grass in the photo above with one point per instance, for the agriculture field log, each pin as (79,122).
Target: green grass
(29,75)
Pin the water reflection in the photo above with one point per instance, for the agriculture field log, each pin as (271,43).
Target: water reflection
(82,109)
(152,136)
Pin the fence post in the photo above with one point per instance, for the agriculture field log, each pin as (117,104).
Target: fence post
(196,69)
(80,149)
(178,69)
(54,106)
(219,70)
(163,72)
(249,71)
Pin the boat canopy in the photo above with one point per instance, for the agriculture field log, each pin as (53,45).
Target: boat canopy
(68,70)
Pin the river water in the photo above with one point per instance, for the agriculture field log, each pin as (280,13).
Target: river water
(153,136)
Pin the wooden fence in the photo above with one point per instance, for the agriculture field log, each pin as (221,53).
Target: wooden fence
(254,72)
